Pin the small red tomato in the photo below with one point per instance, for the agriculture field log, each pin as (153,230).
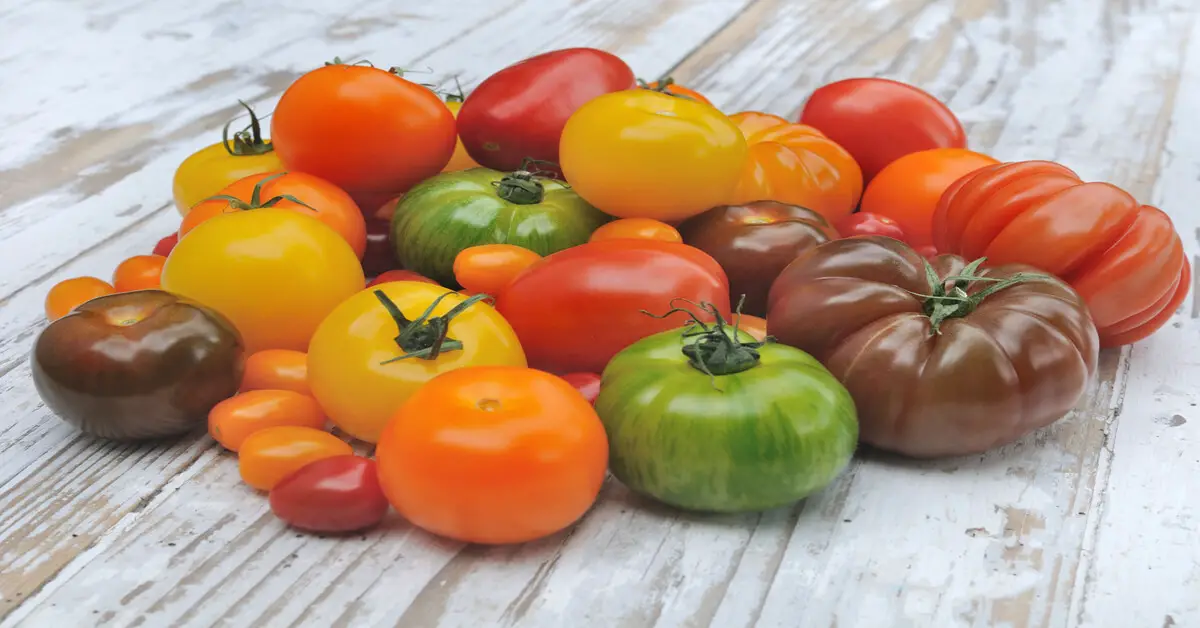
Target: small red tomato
(338,494)
(166,245)
(400,275)
(588,384)
(867,223)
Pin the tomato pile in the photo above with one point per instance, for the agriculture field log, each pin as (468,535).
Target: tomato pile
(570,271)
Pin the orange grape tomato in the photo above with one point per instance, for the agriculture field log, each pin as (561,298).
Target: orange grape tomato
(269,455)
(488,268)
(277,369)
(669,86)
(232,421)
(140,272)
(636,229)
(69,294)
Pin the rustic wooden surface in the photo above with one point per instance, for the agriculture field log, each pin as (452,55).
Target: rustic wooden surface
(1091,522)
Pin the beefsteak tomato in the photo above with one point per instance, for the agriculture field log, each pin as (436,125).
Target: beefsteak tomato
(211,168)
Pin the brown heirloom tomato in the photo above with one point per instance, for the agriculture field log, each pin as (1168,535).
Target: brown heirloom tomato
(754,242)
(937,366)
(137,365)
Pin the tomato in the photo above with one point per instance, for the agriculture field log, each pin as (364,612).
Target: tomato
(400,275)
(519,112)
(453,211)
(460,160)
(277,369)
(1125,259)
(668,86)
(381,345)
(637,229)
(69,294)
(937,368)
(137,365)
(642,154)
(275,273)
(908,190)
(497,454)
(208,170)
(378,258)
(866,223)
(709,419)
(754,242)
(880,120)
(140,272)
(588,384)
(796,164)
(293,191)
(753,325)
(366,130)
(332,495)
(165,245)
(271,454)
(488,268)
(574,310)
(232,421)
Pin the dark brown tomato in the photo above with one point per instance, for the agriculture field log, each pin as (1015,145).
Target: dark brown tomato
(754,242)
(1016,362)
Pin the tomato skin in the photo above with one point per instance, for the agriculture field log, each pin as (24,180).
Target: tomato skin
(520,111)
(880,120)
(378,258)
(400,275)
(211,168)
(753,325)
(636,229)
(277,369)
(675,89)
(332,495)
(588,384)
(165,245)
(866,223)
(69,294)
(489,267)
(140,272)
(493,455)
(233,420)
(642,154)
(460,160)
(269,455)
(908,189)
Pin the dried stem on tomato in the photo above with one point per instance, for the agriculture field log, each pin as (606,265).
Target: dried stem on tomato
(248,141)
(716,351)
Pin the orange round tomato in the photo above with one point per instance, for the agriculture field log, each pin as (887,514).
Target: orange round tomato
(488,268)
(796,164)
(460,160)
(641,154)
(636,229)
(271,454)
(908,189)
(232,421)
(493,454)
(294,191)
(69,294)
(140,272)
(669,86)
(277,369)
(753,325)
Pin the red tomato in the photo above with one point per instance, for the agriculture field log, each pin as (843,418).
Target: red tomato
(588,385)
(232,421)
(636,229)
(519,112)
(166,245)
(338,494)
(866,223)
(574,310)
(277,369)
(489,267)
(69,294)
(880,120)
(400,275)
(140,272)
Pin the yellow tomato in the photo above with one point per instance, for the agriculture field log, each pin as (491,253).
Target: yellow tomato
(460,160)
(355,364)
(274,273)
(207,171)
(642,154)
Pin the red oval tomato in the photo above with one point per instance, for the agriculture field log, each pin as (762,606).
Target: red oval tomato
(588,384)
(166,245)
(866,223)
(400,275)
(880,120)
(337,494)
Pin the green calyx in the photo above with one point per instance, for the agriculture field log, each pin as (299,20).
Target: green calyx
(248,141)
(522,186)
(426,336)
(256,201)
(717,349)
(944,303)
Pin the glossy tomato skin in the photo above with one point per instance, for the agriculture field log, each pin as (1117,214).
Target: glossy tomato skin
(880,120)
(269,455)
(140,272)
(69,294)
(796,164)
(460,160)
(588,384)
(400,275)
(637,229)
(574,310)
(519,112)
(1016,363)
(137,365)
(754,242)
(493,455)
(211,168)
(866,223)
(332,495)
(642,154)
(1124,258)
(488,268)
(233,420)
(277,369)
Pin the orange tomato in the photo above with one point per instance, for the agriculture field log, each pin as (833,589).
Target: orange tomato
(752,325)
(269,455)
(488,268)
(669,86)
(326,202)
(140,272)
(493,454)
(460,160)
(796,164)
(277,369)
(69,294)
(232,421)
(636,229)
(908,189)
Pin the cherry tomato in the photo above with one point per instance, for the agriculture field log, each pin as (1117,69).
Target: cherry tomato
(637,229)
(460,160)
(277,369)
(908,189)
(488,268)
(232,421)
(269,455)
(588,384)
(866,223)
(400,275)
(166,244)
(669,86)
(493,454)
(209,169)
(140,272)
(641,154)
(69,294)
(337,494)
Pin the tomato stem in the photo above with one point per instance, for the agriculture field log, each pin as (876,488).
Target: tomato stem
(256,197)
(248,141)
(715,351)
(944,303)
(663,86)
(521,187)
(426,336)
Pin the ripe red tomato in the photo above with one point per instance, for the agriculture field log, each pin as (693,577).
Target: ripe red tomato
(166,245)
(519,112)
(400,275)
(338,494)
(140,272)
(880,120)
(588,385)
(866,223)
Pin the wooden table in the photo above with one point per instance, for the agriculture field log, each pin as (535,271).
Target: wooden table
(1092,522)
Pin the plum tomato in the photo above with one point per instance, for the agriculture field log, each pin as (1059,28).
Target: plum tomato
(140,272)
(233,420)
(636,229)
(488,268)
(588,384)
(213,167)
(867,223)
(69,294)
(277,369)
(331,495)
(269,455)
(400,275)
(165,245)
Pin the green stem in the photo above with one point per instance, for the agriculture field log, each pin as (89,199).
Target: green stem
(717,349)
(256,197)
(942,305)
(425,337)
(248,141)
(521,187)
(663,86)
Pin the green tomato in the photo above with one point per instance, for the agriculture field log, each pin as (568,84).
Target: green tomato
(771,427)
(447,213)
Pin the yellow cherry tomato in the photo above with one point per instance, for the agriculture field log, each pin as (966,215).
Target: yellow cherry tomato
(643,154)
(357,367)
(460,160)
(275,273)
(208,170)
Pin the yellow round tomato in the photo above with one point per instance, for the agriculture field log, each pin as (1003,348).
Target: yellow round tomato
(207,171)
(356,364)
(275,273)
(643,154)
(460,160)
